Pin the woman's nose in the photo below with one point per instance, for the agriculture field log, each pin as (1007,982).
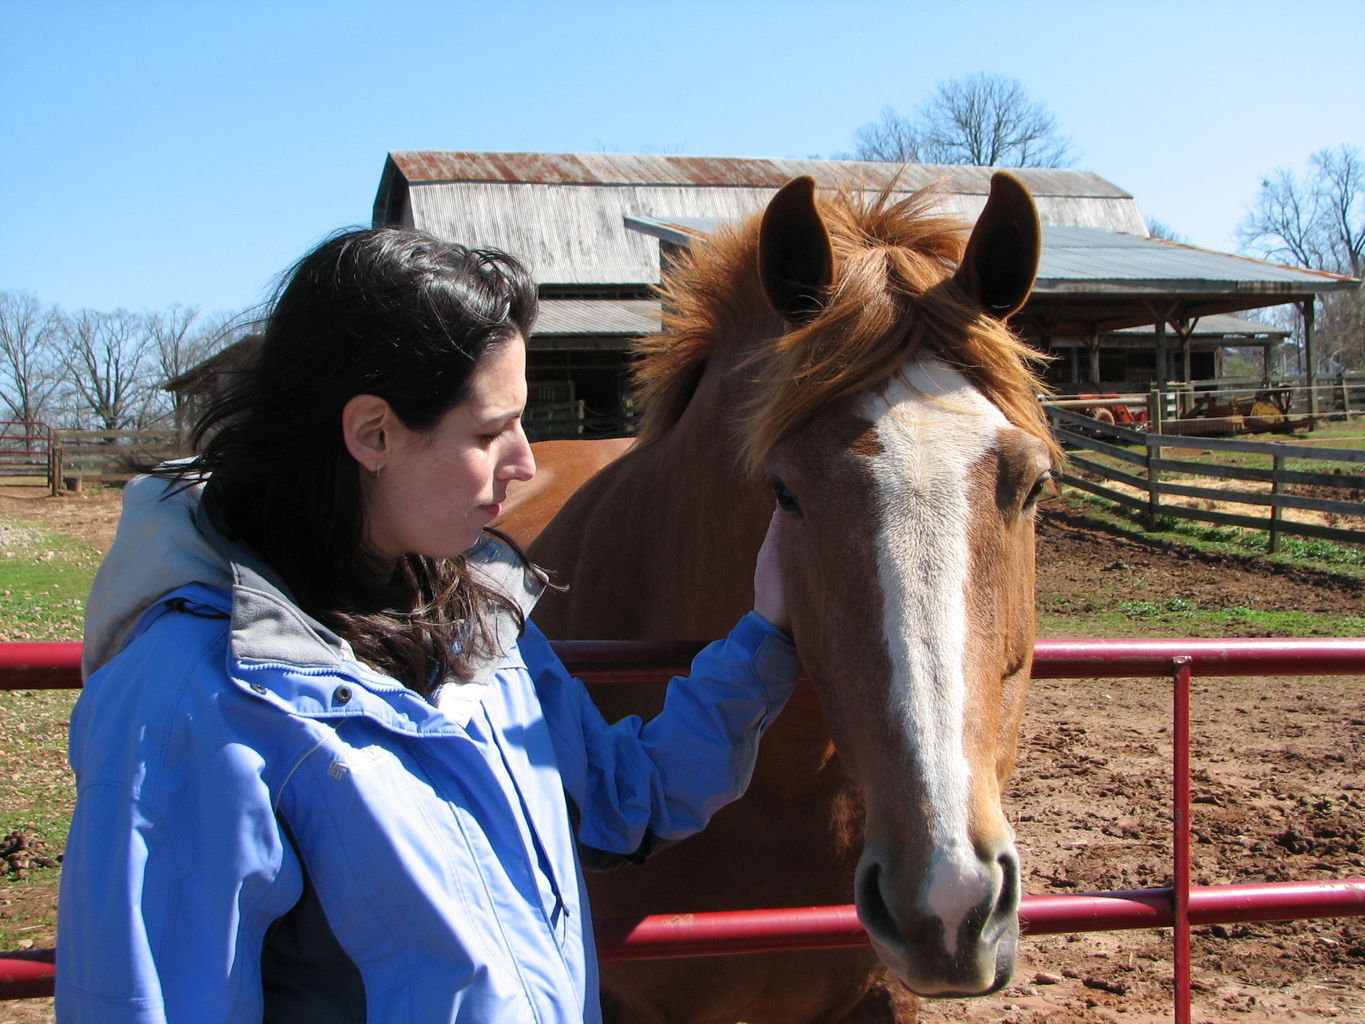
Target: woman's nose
(521,462)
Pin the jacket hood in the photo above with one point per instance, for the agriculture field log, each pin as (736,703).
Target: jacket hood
(157,549)
(166,540)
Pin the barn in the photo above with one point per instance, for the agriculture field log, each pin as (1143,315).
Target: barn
(1119,309)
(594,229)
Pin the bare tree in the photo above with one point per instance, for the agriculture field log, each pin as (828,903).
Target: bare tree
(29,372)
(893,139)
(982,119)
(1318,221)
(1341,327)
(183,339)
(177,345)
(1162,230)
(109,358)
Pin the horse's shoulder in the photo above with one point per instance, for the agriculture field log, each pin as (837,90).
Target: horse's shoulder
(562,469)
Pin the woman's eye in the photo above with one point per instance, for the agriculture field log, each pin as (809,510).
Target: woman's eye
(786,501)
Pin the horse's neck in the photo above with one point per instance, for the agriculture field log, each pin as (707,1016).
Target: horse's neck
(714,524)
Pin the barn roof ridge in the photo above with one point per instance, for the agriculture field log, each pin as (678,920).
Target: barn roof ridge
(433,167)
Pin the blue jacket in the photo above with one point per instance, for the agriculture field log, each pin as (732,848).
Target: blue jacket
(266,829)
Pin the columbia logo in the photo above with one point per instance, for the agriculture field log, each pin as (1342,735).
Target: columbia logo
(338,769)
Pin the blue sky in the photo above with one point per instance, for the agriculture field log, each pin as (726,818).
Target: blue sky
(159,151)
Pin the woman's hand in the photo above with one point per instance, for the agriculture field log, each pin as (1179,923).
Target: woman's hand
(770,596)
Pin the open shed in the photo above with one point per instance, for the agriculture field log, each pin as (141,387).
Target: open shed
(1094,282)
(569,216)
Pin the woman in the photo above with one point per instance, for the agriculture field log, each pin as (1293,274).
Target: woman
(326,769)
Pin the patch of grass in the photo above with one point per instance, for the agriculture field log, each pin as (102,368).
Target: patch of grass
(1339,559)
(44,581)
(36,797)
(1176,617)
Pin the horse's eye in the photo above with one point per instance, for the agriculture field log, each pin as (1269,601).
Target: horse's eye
(1041,486)
(786,501)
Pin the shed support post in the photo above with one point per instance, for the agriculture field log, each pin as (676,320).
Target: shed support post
(1309,370)
(1092,343)
(1160,352)
(1161,316)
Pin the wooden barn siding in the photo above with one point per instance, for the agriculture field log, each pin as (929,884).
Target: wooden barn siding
(576,234)
(570,234)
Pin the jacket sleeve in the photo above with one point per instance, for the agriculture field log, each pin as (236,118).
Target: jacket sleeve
(666,777)
(176,864)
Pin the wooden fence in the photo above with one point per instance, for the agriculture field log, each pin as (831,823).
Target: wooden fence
(1154,475)
(66,457)
(1185,408)
(572,420)
(112,456)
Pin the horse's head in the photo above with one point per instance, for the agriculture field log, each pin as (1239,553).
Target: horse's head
(900,431)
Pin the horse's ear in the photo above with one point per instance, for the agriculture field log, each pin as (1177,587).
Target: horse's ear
(795,260)
(1002,254)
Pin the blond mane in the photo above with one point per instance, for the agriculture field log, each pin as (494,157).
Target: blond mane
(893,297)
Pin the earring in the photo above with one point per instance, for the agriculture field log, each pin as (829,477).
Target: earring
(374,473)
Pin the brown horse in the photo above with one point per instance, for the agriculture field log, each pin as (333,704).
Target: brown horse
(834,357)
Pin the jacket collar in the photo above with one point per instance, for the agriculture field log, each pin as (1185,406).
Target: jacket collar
(268,626)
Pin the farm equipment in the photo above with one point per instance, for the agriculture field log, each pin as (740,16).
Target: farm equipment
(1264,412)
(1112,408)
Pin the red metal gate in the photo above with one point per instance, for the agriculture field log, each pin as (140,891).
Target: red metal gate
(29,448)
(57,665)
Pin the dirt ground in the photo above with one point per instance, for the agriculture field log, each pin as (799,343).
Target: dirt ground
(88,515)
(1278,781)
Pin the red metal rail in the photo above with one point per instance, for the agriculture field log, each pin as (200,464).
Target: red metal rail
(39,666)
(38,451)
(759,931)
(29,431)
(56,665)
(28,974)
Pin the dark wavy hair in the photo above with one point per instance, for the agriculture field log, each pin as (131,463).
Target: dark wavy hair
(384,312)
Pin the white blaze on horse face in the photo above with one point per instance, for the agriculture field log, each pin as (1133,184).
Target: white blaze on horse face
(932,427)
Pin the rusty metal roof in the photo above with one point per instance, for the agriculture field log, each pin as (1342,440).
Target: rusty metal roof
(564,213)
(418,167)
(1095,279)
(566,216)
(1086,256)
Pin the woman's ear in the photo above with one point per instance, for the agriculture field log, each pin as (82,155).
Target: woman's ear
(366,424)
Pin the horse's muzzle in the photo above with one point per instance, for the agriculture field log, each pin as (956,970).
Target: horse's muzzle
(958,935)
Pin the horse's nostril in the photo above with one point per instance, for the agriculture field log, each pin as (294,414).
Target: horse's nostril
(1008,901)
(872,908)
